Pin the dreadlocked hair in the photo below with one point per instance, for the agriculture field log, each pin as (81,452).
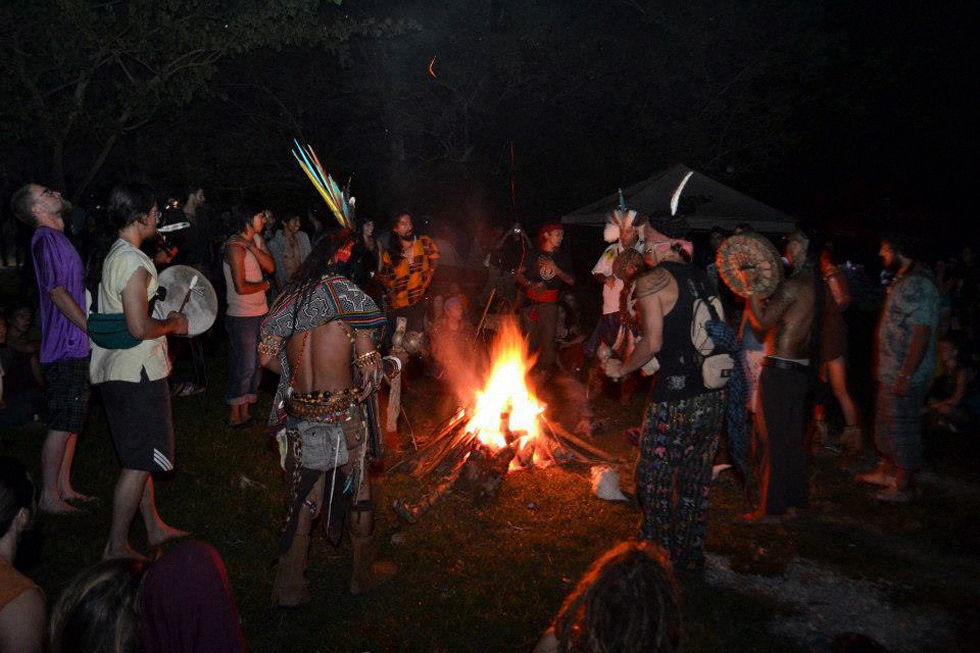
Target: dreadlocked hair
(626,601)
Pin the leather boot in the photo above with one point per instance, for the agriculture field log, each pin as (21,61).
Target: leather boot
(368,573)
(290,588)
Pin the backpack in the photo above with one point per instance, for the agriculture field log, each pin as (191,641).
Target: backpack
(716,363)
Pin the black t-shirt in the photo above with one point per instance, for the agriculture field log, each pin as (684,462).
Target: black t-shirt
(532,267)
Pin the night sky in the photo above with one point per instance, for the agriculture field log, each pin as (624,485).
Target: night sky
(852,115)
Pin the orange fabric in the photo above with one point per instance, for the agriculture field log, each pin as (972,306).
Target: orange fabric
(407,280)
(544,296)
(12,583)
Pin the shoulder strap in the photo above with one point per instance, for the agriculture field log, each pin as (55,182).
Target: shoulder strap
(294,364)
(706,296)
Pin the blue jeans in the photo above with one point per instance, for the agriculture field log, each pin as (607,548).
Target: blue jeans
(244,372)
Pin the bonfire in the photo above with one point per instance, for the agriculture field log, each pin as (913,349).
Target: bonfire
(504,429)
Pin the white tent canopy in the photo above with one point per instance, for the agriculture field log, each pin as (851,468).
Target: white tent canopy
(717,204)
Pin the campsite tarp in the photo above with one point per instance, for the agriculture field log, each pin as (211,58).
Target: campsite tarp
(716,205)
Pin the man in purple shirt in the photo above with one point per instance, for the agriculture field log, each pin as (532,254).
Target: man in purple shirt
(64,339)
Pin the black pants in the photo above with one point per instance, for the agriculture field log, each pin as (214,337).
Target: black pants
(782,479)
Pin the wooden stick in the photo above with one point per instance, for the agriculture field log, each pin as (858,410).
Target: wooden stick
(580,443)
(479,328)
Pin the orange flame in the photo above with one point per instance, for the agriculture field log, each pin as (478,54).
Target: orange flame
(506,403)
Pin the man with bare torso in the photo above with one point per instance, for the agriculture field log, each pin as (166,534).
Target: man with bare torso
(321,338)
(788,320)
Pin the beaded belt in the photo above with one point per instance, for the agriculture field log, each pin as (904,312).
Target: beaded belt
(328,407)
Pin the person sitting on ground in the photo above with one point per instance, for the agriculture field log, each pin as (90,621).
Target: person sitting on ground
(182,602)
(452,341)
(21,398)
(626,601)
(22,613)
(21,351)
(956,403)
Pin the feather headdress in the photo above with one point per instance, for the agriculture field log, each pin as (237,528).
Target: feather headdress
(618,219)
(341,204)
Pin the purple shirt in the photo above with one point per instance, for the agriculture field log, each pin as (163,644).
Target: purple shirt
(56,263)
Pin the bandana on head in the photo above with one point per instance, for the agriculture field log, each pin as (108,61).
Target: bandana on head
(672,244)
(547,229)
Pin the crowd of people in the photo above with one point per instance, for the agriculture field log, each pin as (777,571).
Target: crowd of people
(337,313)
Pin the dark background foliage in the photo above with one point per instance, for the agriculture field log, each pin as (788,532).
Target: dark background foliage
(850,113)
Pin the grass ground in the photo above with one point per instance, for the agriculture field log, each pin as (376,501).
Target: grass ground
(491,578)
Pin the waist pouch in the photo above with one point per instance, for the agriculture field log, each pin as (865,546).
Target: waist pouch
(319,446)
(109,331)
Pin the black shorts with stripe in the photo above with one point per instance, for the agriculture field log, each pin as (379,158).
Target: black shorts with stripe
(141,423)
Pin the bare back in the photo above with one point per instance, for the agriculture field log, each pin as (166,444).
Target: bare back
(324,364)
(789,314)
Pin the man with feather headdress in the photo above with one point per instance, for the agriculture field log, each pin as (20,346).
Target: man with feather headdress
(321,336)
(612,334)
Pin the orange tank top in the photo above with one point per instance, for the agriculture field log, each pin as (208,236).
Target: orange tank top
(12,583)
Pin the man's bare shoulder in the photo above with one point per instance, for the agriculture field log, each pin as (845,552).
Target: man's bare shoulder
(652,282)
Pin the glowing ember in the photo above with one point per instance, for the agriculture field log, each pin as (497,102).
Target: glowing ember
(506,405)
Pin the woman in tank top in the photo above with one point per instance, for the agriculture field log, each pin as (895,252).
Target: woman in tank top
(246,259)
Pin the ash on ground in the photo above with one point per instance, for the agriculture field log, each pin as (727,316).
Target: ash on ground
(830,603)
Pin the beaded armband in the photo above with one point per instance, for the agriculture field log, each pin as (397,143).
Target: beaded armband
(269,345)
(366,360)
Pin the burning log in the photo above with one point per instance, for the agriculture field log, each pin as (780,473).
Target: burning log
(479,475)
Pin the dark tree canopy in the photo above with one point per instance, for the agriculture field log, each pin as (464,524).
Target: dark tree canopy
(450,106)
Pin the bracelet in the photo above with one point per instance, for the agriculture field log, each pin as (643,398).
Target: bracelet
(269,345)
(398,365)
(366,360)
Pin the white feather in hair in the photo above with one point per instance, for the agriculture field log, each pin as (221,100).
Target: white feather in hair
(614,225)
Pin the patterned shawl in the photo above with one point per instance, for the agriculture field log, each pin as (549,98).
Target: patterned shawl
(304,309)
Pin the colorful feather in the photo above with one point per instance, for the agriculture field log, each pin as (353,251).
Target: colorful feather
(337,201)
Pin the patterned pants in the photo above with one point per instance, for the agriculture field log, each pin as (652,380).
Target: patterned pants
(678,443)
(898,425)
